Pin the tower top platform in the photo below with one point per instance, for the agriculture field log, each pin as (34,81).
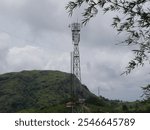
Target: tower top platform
(75,26)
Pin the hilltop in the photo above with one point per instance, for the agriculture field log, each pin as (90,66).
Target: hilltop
(29,90)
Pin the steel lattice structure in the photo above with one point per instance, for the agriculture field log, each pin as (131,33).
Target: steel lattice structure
(75,56)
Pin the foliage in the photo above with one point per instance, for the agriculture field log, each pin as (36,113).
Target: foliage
(134,20)
(146,92)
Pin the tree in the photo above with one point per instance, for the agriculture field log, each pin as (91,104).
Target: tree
(125,108)
(146,92)
(136,23)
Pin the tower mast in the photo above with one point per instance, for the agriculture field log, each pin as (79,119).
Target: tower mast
(75,63)
(75,28)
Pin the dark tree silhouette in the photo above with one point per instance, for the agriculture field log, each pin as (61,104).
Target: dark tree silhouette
(146,92)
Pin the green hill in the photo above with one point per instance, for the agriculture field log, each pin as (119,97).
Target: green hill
(50,91)
(35,91)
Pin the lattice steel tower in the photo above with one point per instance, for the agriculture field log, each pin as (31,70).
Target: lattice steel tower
(75,55)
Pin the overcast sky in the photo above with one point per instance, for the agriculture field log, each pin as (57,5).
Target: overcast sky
(34,34)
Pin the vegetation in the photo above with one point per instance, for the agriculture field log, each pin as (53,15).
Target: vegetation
(146,92)
(49,91)
(36,90)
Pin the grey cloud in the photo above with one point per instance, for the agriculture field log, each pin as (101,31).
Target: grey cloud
(4,47)
(106,65)
(38,15)
(45,15)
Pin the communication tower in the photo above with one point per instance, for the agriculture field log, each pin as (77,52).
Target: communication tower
(75,66)
(75,55)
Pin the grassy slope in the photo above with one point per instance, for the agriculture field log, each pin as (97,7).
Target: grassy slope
(36,90)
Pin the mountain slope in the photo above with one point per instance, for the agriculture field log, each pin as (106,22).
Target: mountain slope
(37,91)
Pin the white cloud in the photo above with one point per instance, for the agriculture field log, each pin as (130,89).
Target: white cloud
(27,57)
(59,62)
(32,57)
